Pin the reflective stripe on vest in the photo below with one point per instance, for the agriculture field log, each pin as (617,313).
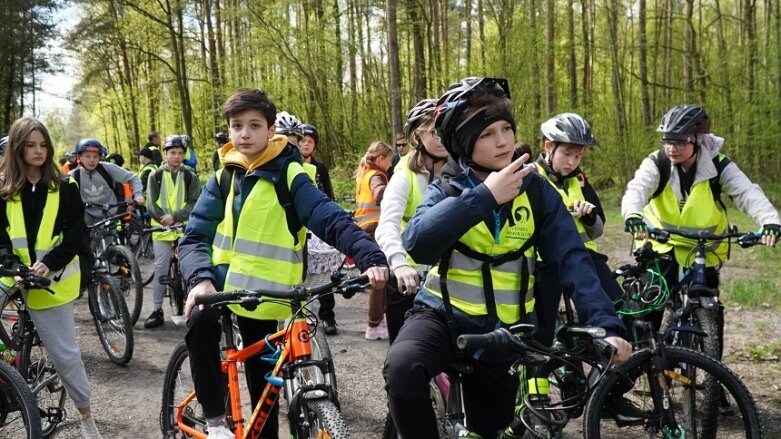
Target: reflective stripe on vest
(65,283)
(366,209)
(573,193)
(263,254)
(464,277)
(171,199)
(700,213)
(223,237)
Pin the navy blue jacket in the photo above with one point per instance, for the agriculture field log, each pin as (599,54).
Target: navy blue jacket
(315,211)
(440,220)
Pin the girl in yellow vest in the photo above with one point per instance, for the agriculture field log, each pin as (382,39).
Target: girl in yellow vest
(405,190)
(567,137)
(42,227)
(371,179)
(477,215)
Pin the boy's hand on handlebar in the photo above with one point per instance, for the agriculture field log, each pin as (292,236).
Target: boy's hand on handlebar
(140,200)
(770,234)
(167,219)
(635,225)
(203,287)
(505,185)
(39,268)
(623,349)
(378,276)
(408,279)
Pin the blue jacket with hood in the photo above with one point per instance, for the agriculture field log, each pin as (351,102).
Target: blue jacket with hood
(440,220)
(316,212)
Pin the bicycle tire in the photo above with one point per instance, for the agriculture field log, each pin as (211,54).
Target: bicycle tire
(702,319)
(48,391)
(146,258)
(320,419)
(112,319)
(176,290)
(122,264)
(703,419)
(19,416)
(177,385)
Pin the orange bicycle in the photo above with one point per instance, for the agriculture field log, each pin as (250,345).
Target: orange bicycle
(303,368)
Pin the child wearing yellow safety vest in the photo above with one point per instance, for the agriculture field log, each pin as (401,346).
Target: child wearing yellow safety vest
(248,214)
(42,227)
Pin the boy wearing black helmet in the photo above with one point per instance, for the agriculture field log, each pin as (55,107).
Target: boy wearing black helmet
(487,205)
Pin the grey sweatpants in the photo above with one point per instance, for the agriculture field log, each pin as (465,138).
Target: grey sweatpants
(57,330)
(163,250)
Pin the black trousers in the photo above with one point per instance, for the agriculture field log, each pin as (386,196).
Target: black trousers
(548,294)
(326,311)
(421,351)
(203,344)
(396,307)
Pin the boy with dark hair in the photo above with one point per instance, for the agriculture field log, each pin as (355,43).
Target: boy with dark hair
(251,214)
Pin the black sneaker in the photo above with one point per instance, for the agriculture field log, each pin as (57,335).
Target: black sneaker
(155,319)
(624,412)
(329,326)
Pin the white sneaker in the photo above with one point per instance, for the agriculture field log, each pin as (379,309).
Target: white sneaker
(379,332)
(221,432)
(89,430)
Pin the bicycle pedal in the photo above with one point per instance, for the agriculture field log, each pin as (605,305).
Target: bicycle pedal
(54,415)
(178,320)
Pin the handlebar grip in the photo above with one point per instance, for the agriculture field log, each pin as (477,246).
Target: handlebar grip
(603,348)
(750,239)
(40,281)
(218,297)
(492,341)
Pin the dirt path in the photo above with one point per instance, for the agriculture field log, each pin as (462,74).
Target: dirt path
(127,399)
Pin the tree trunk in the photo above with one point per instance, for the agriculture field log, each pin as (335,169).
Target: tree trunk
(643,65)
(550,63)
(419,61)
(572,62)
(393,61)
(588,60)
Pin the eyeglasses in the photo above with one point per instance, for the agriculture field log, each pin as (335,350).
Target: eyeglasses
(401,145)
(678,146)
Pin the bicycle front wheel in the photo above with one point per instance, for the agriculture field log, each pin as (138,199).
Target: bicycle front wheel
(177,386)
(112,319)
(38,370)
(319,418)
(693,380)
(145,256)
(18,413)
(122,264)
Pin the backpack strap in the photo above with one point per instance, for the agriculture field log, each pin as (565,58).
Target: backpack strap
(286,200)
(188,178)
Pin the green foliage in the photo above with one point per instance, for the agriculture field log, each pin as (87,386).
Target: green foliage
(753,293)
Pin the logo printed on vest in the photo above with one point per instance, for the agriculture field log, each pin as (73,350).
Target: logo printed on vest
(520,226)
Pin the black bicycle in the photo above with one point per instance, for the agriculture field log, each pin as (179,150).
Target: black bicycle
(107,238)
(26,353)
(676,389)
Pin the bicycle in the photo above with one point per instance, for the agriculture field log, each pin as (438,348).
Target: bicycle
(140,242)
(691,316)
(175,286)
(18,414)
(106,242)
(676,388)
(26,353)
(303,369)
(107,303)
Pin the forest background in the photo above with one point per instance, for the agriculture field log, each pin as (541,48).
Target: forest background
(353,69)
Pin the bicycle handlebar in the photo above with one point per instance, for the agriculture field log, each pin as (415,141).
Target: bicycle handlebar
(248,298)
(178,227)
(105,207)
(745,240)
(29,280)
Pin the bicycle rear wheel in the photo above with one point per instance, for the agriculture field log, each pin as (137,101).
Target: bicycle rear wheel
(112,319)
(693,380)
(19,416)
(123,266)
(177,386)
(37,369)
(145,256)
(176,290)
(318,418)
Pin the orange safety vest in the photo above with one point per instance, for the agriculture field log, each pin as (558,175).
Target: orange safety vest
(367,211)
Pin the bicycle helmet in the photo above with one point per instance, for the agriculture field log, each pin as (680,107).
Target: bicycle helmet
(310,130)
(70,154)
(116,159)
(288,124)
(568,128)
(186,140)
(3,142)
(174,141)
(452,104)
(91,145)
(682,121)
(222,138)
(417,114)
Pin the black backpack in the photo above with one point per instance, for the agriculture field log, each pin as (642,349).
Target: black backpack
(663,164)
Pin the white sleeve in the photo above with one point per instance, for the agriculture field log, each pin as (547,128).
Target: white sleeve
(747,196)
(640,188)
(388,233)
